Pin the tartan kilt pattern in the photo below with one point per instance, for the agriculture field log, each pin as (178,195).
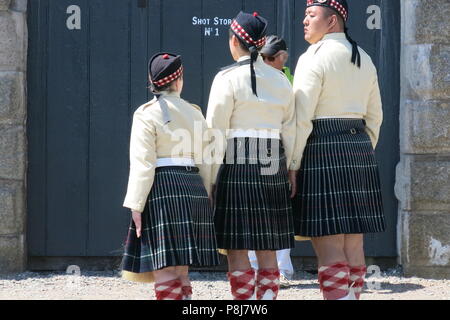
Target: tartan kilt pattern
(253,209)
(177,225)
(338,182)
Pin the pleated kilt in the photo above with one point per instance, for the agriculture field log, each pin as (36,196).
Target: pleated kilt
(338,182)
(253,208)
(177,224)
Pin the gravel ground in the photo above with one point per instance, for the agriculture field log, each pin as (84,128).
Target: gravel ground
(206,285)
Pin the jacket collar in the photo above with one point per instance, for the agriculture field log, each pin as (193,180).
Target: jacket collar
(334,36)
(243,58)
(170,94)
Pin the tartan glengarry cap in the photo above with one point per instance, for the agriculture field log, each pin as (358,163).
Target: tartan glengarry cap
(250,28)
(340,6)
(273,45)
(164,68)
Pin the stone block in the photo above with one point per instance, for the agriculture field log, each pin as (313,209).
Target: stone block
(426,251)
(423,183)
(12,96)
(12,213)
(430,185)
(12,254)
(12,152)
(13,41)
(440,66)
(402,186)
(426,72)
(423,21)
(19,5)
(428,131)
(4,5)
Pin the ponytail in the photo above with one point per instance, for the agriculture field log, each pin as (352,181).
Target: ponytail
(356,57)
(253,56)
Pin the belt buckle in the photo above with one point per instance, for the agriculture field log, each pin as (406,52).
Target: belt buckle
(353,131)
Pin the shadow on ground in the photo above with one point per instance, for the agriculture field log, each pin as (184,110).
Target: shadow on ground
(390,288)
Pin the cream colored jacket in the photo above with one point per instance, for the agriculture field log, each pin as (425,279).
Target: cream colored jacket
(232,105)
(326,84)
(151,139)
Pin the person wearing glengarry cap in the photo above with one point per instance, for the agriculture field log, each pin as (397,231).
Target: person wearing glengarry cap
(339,115)
(275,54)
(252,105)
(171,224)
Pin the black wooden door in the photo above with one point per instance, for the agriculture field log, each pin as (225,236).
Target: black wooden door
(85,78)
(87,74)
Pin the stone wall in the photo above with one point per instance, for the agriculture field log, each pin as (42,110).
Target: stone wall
(423,175)
(13,154)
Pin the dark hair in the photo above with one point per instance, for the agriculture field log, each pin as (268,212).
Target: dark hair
(329,12)
(242,44)
(252,50)
(166,87)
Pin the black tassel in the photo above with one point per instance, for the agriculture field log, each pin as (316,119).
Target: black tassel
(254,56)
(356,57)
(163,105)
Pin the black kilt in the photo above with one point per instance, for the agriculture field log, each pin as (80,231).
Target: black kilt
(253,209)
(177,224)
(338,182)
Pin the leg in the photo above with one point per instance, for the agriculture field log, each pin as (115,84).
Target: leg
(240,275)
(166,274)
(183,275)
(333,266)
(354,251)
(167,284)
(268,277)
(267,259)
(285,263)
(238,260)
(285,267)
(329,249)
(253,259)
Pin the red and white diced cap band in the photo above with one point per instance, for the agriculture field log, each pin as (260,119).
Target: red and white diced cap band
(169,78)
(237,28)
(332,3)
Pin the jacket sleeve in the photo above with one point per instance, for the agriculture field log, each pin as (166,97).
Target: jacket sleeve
(374,116)
(220,109)
(288,135)
(205,156)
(142,162)
(307,87)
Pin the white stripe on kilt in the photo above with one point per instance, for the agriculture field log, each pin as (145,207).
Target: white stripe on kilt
(245,199)
(339,173)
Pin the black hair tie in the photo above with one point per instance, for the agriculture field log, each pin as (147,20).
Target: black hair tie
(154,90)
(356,57)
(253,57)
(163,105)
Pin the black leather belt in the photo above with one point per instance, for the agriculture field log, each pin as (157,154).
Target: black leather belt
(180,168)
(338,133)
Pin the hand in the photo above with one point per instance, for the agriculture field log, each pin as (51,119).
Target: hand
(137,218)
(292,176)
